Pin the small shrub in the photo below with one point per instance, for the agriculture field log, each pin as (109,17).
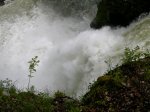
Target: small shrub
(7,87)
(109,64)
(59,94)
(133,54)
(32,64)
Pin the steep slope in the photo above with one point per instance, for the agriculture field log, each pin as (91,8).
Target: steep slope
(124,89)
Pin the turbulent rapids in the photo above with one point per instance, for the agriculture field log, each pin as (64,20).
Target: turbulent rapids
(71,54)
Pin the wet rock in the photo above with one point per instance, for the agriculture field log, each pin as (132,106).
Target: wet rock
(2,2)
(119,12)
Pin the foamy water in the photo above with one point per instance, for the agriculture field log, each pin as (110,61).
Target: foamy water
(71,54)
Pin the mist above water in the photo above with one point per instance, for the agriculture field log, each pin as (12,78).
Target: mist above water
(71,54)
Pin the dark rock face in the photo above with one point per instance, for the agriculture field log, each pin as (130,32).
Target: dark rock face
(2,2)
(124,89)
(119,12)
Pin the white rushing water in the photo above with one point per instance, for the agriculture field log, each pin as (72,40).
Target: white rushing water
(71,54)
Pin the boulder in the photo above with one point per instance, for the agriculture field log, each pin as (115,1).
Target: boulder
(2,2)
(119,12)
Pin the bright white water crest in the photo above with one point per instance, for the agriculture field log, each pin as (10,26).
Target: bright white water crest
(71,54)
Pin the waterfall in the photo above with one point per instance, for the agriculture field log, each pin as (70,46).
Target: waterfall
(71,54)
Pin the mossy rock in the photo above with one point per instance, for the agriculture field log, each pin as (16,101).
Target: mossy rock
(124,89)
(99,91)
(119,12)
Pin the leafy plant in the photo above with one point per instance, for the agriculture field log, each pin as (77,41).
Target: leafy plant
(132,54)
(109,64)
(59,94)
(32,68)
(7,87)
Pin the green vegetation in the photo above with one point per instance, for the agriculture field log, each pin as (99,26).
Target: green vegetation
(123,89)
(13,100)
(134,54)
(32,64)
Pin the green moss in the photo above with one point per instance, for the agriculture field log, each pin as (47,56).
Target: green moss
(147,75)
